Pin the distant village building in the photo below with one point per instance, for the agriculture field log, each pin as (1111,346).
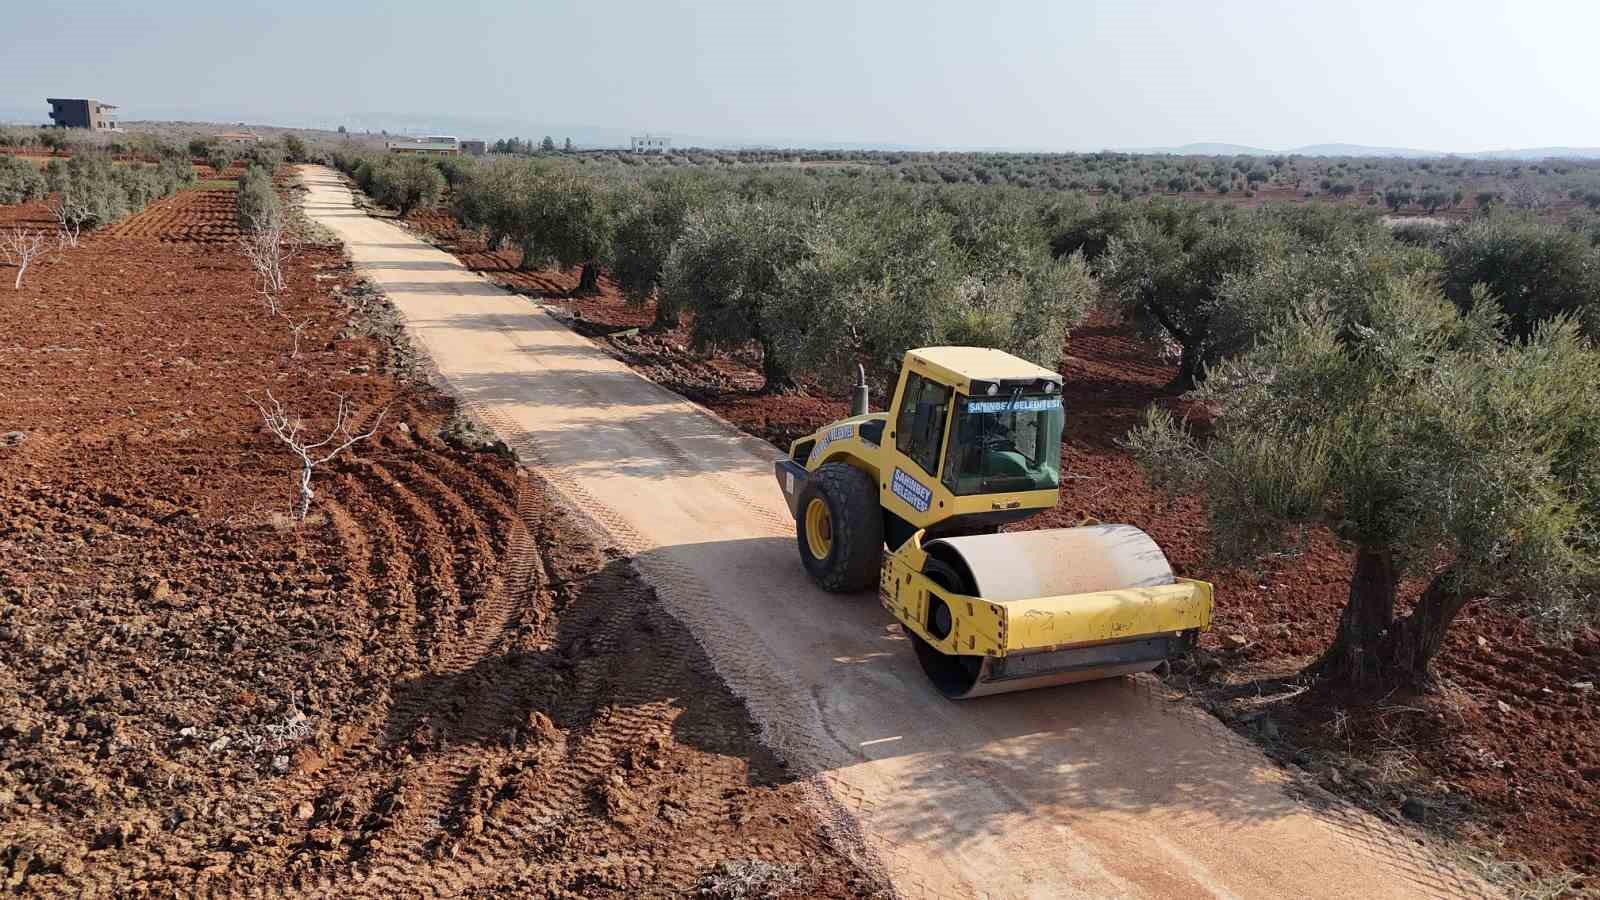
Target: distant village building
(435,145)
(239,137)
(91,114)
(651,143)
(475,148)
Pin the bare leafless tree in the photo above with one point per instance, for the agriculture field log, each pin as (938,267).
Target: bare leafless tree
(21,247)
(289,428)
(69,214)
(296,329)
(271,300)
(268,247)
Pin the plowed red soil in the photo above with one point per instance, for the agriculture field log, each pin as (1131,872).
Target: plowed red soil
(440,683)
(1522,778)
(204,216)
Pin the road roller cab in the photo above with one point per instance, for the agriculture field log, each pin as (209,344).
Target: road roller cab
(971,442)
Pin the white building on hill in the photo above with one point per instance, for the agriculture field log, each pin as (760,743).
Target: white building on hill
(651,143)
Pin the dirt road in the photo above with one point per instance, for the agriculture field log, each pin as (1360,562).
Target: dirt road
(1099,790)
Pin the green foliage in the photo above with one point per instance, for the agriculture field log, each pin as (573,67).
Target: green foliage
(1335,278)
(256,201)
(93,192)
(1027,313)
(1434,199)
(402,183)
(1410,428)
(20,181)
(219,157)
(1420,233)
(565,221)
(457,170)
(648,221)
(862,285)
(1536,271)
(1166,268)
(1398,197)
(494,199)
(295,149)
(726,267)
(1093,232)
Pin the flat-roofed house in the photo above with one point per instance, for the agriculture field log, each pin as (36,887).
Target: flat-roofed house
(91,114)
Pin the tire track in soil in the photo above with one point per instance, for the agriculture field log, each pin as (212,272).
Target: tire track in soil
(489,702)
(788,732)
(405,815)
(389,569)
(436,593)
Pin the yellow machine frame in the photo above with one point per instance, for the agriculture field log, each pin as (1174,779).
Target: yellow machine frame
(988,628)
(1168,615)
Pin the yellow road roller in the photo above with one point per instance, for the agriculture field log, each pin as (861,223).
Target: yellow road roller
(914,498)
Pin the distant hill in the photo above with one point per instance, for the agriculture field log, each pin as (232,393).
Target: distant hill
(1540,153)
(1361,150)
(1201,149)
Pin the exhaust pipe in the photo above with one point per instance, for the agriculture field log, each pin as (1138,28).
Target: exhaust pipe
(858,393)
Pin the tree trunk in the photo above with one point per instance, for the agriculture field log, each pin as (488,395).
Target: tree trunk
(1189,363)
(1374,653)
(778,379)
(666,315)
(1415,640)
(1189,368)
(588,280)
(1355,659)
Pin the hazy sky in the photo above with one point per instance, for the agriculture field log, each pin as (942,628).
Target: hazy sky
(1437,74)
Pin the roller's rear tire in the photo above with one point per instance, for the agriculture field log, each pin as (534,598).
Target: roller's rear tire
(839,528)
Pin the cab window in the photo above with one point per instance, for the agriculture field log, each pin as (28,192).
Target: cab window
(920,428)
(1005,444)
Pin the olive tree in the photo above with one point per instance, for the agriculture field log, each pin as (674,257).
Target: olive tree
(863,286)
(648,221)
(725,268)
(1166,266)
(407,183)
(1338,275)
(1093,231)
(219,157)
(565,220)
(494,198)
(1535,270)
(1417,433)
(20,181)
(255,201)
(1028,313)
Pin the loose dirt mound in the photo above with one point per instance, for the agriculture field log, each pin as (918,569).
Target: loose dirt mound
(438,683)
(1508,755)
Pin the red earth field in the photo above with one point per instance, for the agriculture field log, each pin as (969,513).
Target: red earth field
(1505,755)
(440,682)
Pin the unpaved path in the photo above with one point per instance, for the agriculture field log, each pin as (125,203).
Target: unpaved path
(1096,790)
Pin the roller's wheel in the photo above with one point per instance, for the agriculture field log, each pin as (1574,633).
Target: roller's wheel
(953,676)
(839,528)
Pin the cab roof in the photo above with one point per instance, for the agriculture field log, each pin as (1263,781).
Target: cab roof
(981,363)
